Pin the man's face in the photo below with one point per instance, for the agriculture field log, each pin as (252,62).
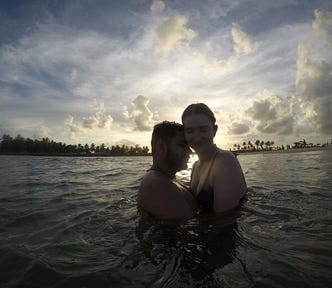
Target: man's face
(178,153)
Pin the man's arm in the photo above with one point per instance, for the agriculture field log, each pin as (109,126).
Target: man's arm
(161,198)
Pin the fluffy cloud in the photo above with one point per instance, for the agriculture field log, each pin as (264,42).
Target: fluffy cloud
(57,66)
(72,127)
(157,6)
(141,114)
(173,32)
(238,129)
(322,26)
(314,89)
(243,44)
(272,114)
(314,78)
(173,35)
(100,120)
(41,132)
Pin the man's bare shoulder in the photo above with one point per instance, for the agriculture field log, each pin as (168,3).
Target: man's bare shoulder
(155,182)
(154,187)
(160,197)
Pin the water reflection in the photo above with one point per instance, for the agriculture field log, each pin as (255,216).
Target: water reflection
(184,175)
(189,251)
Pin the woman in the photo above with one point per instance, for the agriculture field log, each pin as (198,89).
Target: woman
(217,180)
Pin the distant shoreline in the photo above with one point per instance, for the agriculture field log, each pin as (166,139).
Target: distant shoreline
(292,150)
(68,155)
(237,153)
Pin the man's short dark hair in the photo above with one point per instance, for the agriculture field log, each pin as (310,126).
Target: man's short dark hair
(165,131)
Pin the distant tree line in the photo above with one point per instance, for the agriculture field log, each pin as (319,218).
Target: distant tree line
(21,145)
(261,145)
(258,145)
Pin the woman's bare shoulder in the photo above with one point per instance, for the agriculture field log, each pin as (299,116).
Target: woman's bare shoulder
(224,155)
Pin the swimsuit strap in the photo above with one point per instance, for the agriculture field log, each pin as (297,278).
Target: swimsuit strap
(205,174)
(171,179)
(160,171)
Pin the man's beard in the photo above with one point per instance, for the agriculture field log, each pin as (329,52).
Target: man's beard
(174,163)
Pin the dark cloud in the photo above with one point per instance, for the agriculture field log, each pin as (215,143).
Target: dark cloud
(262,110)
(282,126)
(107,17)
(272,115)
(238,129)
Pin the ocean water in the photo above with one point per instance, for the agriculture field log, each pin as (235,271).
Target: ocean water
(73,222)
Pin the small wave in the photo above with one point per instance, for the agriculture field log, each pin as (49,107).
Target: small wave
(77,224)
(110,175)
(32,218)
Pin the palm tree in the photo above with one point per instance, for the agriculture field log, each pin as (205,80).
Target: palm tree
(102,148)
(235,145)
(92,147)
(86,149)
(145,150)
(267,145)
(250,146)
(257,142)
(80,148)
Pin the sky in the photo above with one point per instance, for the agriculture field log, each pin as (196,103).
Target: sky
(106,71)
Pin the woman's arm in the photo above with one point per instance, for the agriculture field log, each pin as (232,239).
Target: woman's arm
(228,182)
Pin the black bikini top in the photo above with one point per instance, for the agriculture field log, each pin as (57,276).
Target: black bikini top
(204,200)
(205,196)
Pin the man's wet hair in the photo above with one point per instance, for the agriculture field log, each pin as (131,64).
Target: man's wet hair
(165,131)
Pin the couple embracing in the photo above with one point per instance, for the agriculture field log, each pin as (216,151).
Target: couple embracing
(217,182)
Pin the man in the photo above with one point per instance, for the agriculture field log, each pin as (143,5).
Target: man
(160,194)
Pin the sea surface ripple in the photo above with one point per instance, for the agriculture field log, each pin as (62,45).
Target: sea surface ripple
(73,222)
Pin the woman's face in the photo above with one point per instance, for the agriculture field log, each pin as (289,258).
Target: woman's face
(199,131)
